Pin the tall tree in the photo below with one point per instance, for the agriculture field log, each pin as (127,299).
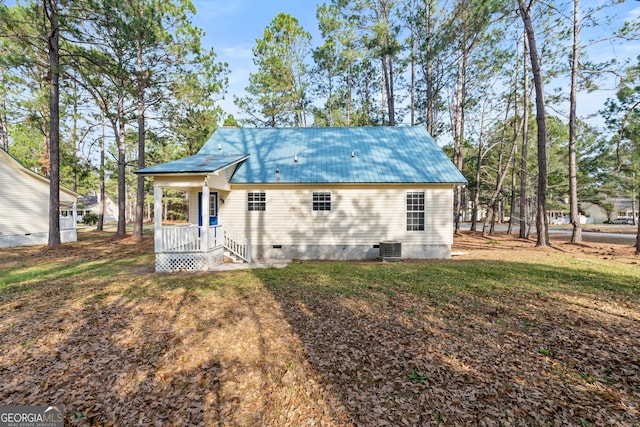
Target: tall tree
(4,91)
(427,22)
(144,57)
(523,234)
(623,117)
(538,80)
(370,28)
(327,59)
(39,32)
(25,42)
(469,25)
(576,235)
(277,92)
(51,11)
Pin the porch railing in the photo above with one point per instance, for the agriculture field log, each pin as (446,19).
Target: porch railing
(237,245)
(188,238)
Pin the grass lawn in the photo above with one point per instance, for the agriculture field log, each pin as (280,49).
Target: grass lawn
(504,335)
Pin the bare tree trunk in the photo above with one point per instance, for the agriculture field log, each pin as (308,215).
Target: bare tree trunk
(387,93)
(498,189)
(512,207)
(428,69)
(74,135)
(100,225)
(576,235)
(515,150)
(541,218)
(4,130)
(122,162)
(524,210)
(638,234)
(330,100)
(476,196)
(430,101)
(413,81)
(139,207)
(458,152)
(50,9)
(390,95)
(349,96)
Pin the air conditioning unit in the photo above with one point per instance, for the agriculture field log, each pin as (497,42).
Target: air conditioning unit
(391,250)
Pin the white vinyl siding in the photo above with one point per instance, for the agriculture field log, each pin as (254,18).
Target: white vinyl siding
(24,199)
(360,215)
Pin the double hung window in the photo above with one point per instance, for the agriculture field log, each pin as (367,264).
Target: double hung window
(256,201)
(415,211)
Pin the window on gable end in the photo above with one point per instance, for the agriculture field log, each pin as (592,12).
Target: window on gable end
(321,201)
(256,201)
(415,211)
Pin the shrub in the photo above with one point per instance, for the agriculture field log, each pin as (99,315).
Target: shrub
(90,218)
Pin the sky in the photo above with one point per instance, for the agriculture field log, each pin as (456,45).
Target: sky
(232,27)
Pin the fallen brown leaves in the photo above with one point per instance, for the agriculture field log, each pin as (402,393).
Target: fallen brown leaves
(139,348)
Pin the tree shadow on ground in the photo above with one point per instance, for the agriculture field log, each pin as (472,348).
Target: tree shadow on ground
(183,349)
(399,347)
(459,343)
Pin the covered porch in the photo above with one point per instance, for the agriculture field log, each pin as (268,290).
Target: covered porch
(202,243)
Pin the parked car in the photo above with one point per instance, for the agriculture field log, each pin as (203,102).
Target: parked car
(622,220)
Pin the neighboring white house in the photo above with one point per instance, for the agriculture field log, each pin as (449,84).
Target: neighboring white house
(91,203)
(623,207)
(24,206)
(308,193)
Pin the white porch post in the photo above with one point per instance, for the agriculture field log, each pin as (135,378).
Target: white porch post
(204,231)
(157,218)
(74,214)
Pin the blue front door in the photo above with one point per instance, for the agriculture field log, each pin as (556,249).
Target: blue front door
(213,208)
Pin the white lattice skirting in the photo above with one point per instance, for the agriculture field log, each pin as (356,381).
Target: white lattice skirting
(193,261)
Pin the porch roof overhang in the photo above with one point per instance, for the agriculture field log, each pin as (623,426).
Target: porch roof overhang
(199,164)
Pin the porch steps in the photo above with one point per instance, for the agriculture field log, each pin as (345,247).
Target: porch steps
(230,257)
(236,247)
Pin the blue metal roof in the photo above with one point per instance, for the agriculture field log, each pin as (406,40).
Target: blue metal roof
(325,155)
(196,164)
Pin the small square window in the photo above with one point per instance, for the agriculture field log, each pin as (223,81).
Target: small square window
(321,201)
(256,201)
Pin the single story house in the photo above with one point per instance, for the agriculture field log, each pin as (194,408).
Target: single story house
(24,206)
(621,207)
(308,193)
(91,203)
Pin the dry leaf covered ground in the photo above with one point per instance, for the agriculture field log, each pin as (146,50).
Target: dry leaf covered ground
(505,334)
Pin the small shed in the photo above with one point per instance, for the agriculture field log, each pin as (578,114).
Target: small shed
(24,206)
(308,193)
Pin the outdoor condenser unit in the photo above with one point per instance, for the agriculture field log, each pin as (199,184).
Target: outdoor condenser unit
(391,250)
